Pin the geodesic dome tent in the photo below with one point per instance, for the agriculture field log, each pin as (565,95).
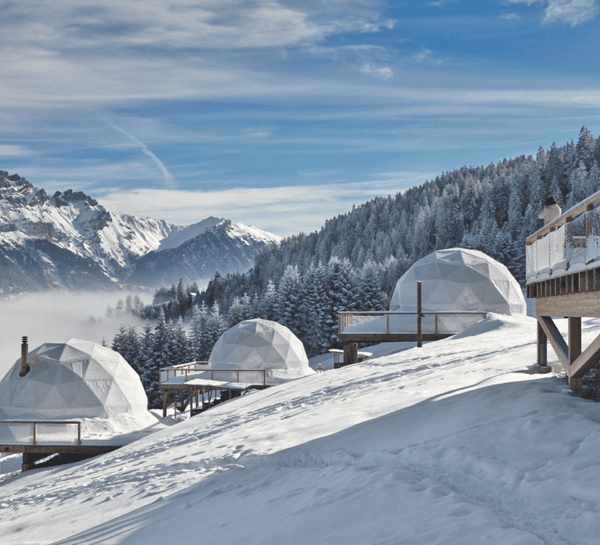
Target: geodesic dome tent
(76,379)
(261,344)
(457,279)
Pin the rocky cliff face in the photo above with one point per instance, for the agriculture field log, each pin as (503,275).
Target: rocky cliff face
(69,240)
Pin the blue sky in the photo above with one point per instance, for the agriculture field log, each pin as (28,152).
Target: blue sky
(282,114)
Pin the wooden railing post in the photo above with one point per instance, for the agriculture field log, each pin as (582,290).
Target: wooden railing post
(419,315)
(34,433)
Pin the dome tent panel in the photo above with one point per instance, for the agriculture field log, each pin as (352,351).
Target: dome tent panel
(459,280)
(261,344)
(73,380)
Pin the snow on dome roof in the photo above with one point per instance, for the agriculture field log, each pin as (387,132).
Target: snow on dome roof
(76,379)
(261,344)
(460,280)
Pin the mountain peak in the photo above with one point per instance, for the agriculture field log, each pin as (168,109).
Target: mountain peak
(69,196)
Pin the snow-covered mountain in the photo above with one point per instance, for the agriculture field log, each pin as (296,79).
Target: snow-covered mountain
(213,244)
(69,240)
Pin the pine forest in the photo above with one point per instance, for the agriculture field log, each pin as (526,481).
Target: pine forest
(355,260)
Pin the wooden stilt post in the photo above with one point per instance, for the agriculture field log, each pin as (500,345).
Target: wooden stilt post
(574,349)
(164,394)
(350,353)
(419,317)
(542,346)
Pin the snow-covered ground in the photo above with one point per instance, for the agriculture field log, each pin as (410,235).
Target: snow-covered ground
(455,443)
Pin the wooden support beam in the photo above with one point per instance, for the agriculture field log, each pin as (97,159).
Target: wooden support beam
(419,317)
(350,353)
(556,340)
(542,346)
(164,400)
(583,305)
(588,359)
(574,338)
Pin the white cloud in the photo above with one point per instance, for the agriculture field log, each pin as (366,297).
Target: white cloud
(281,210)
(11,150)
(383,72)
(423,55)
(568,12)
(511,17)
(571,12)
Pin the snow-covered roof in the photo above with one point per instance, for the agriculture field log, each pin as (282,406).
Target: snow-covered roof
(457,280)
(261,344)
(76,379)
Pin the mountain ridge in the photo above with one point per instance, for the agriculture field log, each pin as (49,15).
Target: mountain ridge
(69,240)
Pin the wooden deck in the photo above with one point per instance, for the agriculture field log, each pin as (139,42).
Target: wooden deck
(563,275)
(396,326)
(188,387)
(37,448)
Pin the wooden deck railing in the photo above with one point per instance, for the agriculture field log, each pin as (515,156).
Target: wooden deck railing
(181,370)
(262,372)
(36,423)
(569,243)
(186,369)
(461,319)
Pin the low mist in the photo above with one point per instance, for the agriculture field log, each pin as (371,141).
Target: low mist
(58,317)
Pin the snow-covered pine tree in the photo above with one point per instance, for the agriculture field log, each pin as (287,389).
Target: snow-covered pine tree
(585,149)
(371,296)
(289,298)
(197,325)
(578,181)
(268,302)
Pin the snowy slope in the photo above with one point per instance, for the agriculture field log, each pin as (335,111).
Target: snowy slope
(452,443)
(69,240)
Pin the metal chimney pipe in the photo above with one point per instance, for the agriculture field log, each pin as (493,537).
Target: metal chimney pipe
(24,358)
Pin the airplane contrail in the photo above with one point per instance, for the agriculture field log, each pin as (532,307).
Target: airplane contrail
(169,180)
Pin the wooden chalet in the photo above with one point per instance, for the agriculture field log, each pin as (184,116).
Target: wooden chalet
(563,275)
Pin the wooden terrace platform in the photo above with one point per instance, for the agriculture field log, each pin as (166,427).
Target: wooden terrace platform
(38,448)
(190,383)
(396,326)
(563,275)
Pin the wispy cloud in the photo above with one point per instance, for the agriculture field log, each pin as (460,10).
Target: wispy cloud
(11,150)
(567,12)
(383,72)
(571,12)
(511,17)
(281,210)
(169,180)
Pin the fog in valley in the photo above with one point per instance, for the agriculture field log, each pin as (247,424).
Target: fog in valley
(58,317)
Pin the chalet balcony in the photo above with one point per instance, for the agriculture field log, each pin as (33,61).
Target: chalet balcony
(563,275)
(564,256)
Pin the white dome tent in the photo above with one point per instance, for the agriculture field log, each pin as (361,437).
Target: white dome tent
(76,379)
(459,280)
(261,344)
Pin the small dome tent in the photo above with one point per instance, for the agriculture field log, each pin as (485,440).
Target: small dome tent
(457,280)
(76,379)
(261,344)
